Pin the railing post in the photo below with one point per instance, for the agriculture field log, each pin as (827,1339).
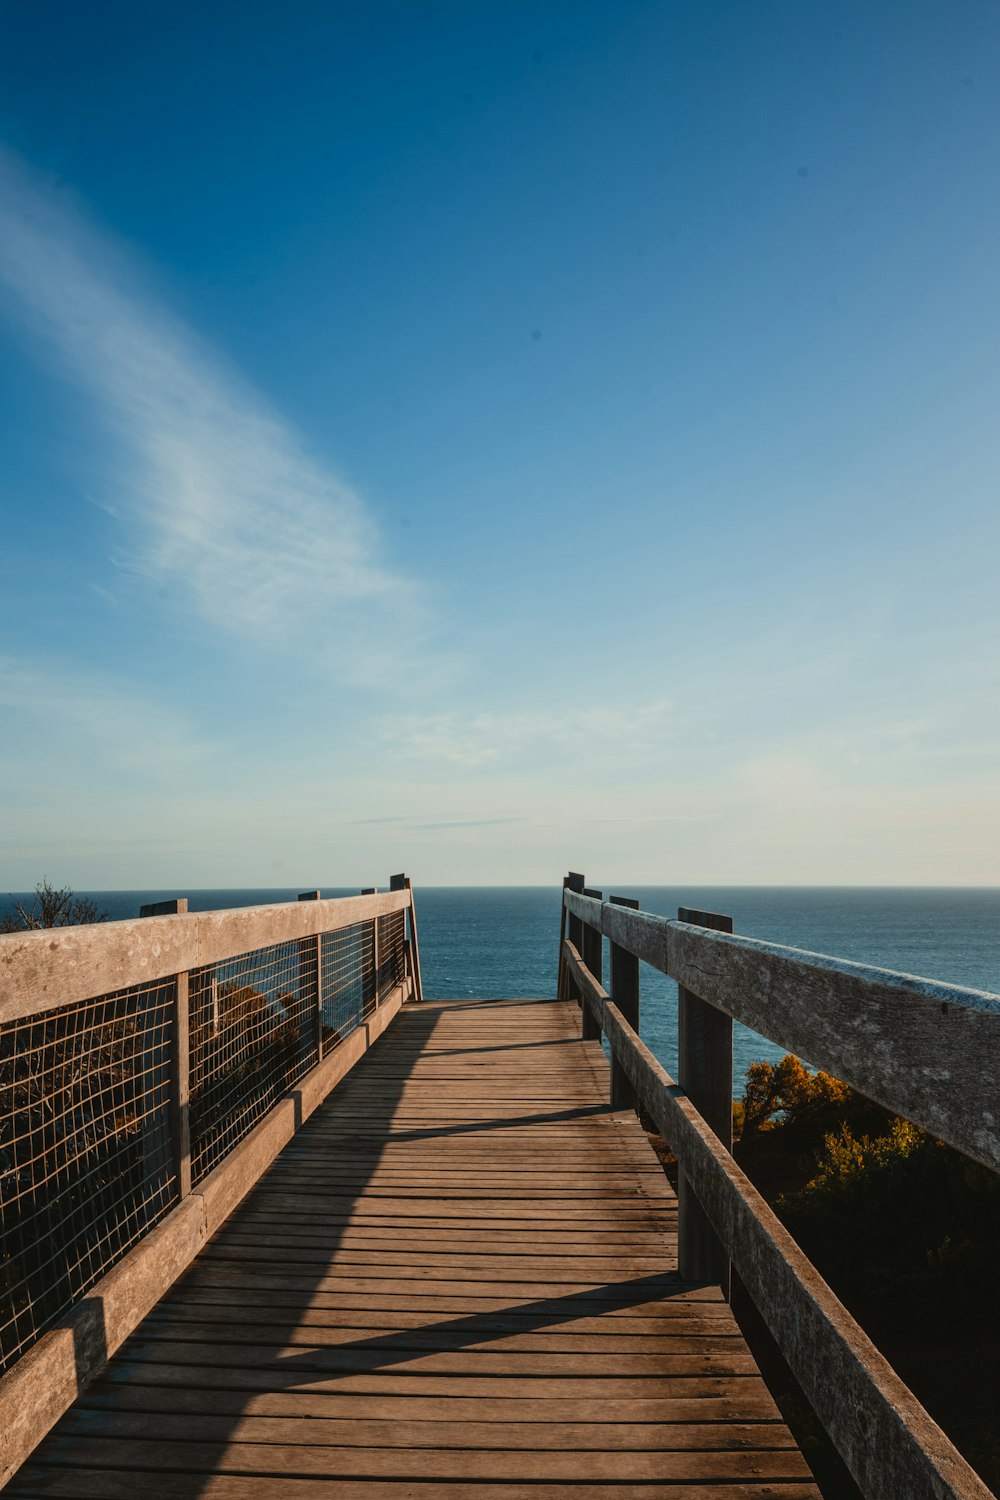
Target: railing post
(561,993)
(593,956)
(311,975)
(705,1073)
(180,1072)
(372,890)
(398,883)
(574,931)
(413,948)
(624,990)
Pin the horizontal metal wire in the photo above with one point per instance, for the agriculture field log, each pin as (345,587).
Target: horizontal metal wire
(86,1166)
(391,952)
(254,1034)
(348,975)
(89,1137)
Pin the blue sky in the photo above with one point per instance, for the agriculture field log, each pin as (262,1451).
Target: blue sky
(492,438)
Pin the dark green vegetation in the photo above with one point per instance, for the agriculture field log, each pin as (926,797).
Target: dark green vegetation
(905,1230)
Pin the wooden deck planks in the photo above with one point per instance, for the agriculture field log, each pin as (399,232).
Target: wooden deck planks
(458,1279)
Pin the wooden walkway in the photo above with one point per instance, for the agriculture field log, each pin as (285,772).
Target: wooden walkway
(458,1281)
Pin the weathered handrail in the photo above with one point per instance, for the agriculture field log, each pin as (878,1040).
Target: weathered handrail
(903,1041)
(42,970)
(150,1071)
(888,1441)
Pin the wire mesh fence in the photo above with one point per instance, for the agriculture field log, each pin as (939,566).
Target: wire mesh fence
(86,1165)
(254,1034)
(391,951)
(347,967)
(90,1129)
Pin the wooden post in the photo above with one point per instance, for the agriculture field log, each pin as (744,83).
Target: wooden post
(399,883)
(574,930)
(178,1066)
(624,982)
(705,1073)
(561,991)
(371,890)
(593,956)
(311,976)
(413,947)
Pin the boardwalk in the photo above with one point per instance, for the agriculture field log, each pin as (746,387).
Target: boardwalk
(456,1280)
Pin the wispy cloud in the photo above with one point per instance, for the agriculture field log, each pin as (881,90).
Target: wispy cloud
(465,823)
(484,739)
(220,496)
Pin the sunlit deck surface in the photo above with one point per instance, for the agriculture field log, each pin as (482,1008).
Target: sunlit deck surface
(458,1279)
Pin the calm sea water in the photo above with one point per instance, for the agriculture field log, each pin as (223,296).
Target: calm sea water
(491,942)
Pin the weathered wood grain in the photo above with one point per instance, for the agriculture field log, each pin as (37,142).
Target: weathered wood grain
(888,1441)
(106,1484)
(45,1381)
(926,1050)
(404,883)
(42,970)
(575,882)
(624,981)
(705,1072)
(459,1278)
(591,991)
(592,952)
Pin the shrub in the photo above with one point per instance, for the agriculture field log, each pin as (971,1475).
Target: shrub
(788,1090)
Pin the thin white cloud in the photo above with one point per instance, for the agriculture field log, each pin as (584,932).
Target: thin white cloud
(220,498)
(484,739)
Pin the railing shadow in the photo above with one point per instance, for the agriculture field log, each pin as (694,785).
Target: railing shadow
(386,1084)
(376,1352)
(280,1299)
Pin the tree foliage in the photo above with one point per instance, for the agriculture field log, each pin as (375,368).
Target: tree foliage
(51,906)
(788,1090)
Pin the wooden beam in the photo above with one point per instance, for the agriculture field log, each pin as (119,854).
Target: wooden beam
(62,965)
(414,948)
(175,1060)
(624,980)
(574,928)
(906,1042)
(640,932)
(927,1051)
(311,978)
(592,994)
(886,1438)
(560,969)
(705,1071)
(49,1377)
(593,956)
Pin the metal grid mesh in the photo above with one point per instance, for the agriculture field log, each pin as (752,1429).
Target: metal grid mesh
(348,969)
(254,1034)
(87,1148)
(391,952)
(86,1166)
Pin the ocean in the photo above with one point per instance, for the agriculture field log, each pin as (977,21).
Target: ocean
(496,941)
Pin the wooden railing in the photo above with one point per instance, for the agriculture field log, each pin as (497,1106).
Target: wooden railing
(150,1070)
(927,1051)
